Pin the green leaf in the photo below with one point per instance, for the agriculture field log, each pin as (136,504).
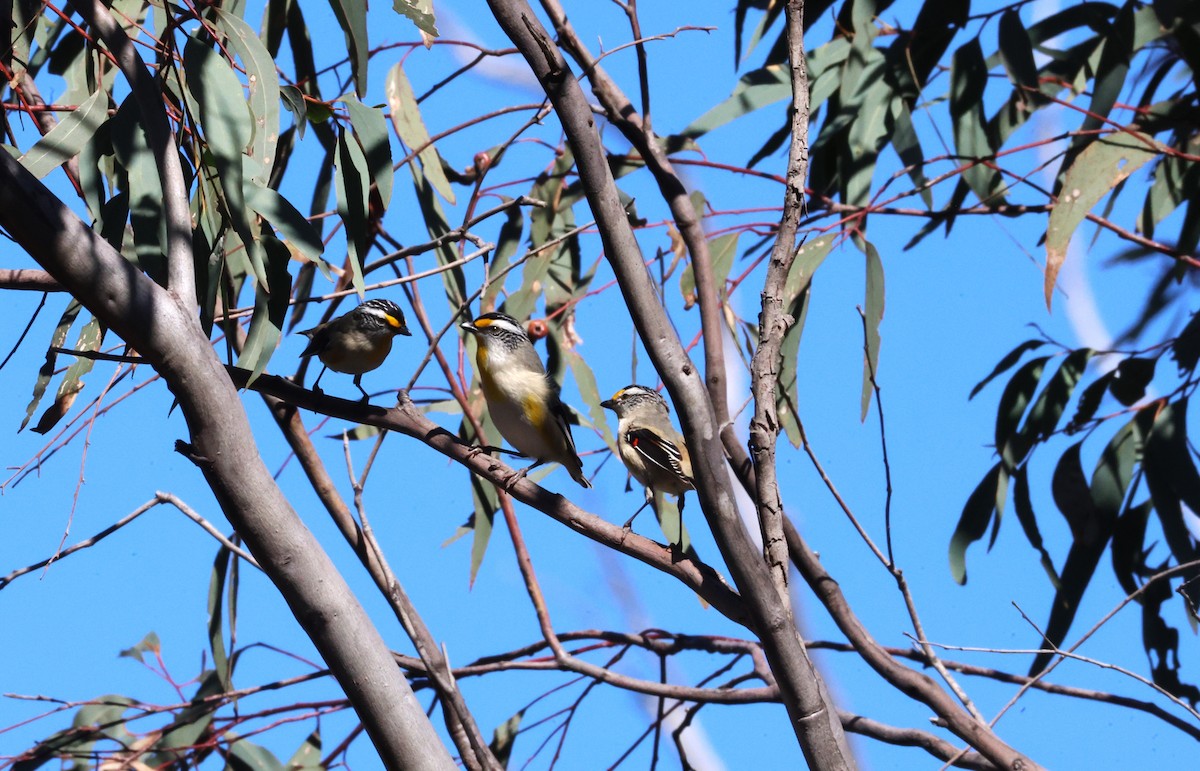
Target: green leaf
(270,309)
(795,299)
(585,381)
(1070,489)
(754,90)
(46,372)
(973,523)
(1023,506)
(505,735)
(247,756)
(483,495)
(722,251)
(292,225)
(180,737)
(228,129)
(65,140)
(968,80)
(410,127)
(1172,477)
(907,145)
(1131,378)
(216,623)
(507,243)
(1185,349)
(1052,402)
(1016,51)
(873,315)
(1089,401)
(419,12)
(263,88)
(437,224)
(353,189)
(352,17)
(1128,554)
(1092,513)
(1104,164)
(371,131)
(293,99)
(308,755)
(149,644)
(91,337)
(1005,364)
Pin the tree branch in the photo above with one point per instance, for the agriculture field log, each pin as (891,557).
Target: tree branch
(29,281)
(163,328)
(814,721)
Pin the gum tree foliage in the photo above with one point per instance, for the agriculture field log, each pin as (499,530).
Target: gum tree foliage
(179,130)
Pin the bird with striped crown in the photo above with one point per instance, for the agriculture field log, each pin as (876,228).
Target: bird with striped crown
(356,342)
(650,447)
(522,399)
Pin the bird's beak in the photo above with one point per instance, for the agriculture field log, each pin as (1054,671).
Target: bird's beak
(470,327)
(608,404)
(397,324)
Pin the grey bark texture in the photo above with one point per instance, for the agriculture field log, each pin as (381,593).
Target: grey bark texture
(163,330)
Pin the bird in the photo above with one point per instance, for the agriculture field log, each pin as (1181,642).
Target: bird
(356,342)
(649,446)
(522,399)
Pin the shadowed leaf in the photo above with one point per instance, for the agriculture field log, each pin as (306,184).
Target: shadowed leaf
(973,523)
(1010,359)
(1131,378)
(1023,507)
(67,138)
(352,16)
(57,340)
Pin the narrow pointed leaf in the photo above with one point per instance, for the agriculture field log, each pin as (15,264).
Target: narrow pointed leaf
(353,188)
(873,311)
(420,13)
(1104,164)
(973,523)
(263,89)
(46,372)
(1008,362)
(352,17)
(410,127)
(65,140)
(370,129)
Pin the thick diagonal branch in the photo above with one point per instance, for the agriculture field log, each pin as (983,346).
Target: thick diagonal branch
(181,275)
(163,329)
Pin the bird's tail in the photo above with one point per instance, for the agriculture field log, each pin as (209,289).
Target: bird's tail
(576,469)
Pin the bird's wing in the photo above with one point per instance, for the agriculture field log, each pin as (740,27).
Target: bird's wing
(318,339)
(657,451)
(562,421)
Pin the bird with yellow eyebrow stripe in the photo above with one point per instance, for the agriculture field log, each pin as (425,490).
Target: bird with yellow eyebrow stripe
(356,342)
(521,398)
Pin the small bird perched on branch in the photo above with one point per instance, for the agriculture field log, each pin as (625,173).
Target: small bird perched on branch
(650,447)
(356,342)
(522,400)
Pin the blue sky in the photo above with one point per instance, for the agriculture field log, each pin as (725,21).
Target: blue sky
(954,306)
